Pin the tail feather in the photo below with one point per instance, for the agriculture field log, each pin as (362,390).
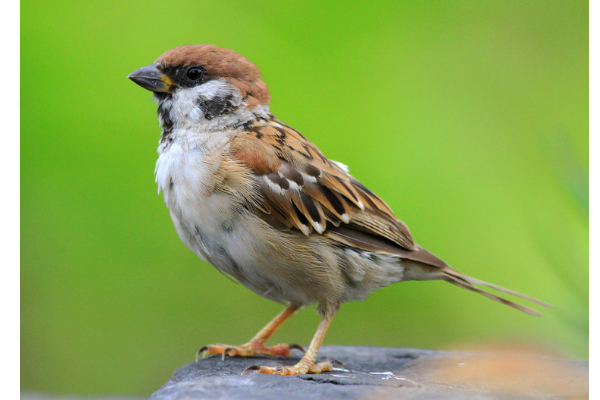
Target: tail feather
(512,292)
(466,282)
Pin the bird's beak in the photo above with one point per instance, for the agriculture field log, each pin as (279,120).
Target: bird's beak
(151,78)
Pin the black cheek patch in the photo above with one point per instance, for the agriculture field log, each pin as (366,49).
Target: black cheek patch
(215,106)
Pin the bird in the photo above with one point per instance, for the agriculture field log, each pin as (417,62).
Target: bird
(255,198)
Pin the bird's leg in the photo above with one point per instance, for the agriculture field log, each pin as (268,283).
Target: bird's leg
(257,344)
(307,364)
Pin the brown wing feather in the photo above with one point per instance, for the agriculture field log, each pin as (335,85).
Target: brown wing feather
(298,188)
(302,189)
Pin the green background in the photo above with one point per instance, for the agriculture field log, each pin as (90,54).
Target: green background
(470,118)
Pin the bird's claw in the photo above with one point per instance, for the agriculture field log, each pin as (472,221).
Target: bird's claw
(297,347)
(303,367)
(225,352)
(251,368)
(200,352)
(248,350)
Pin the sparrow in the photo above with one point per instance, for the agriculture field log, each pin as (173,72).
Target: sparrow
(260,202)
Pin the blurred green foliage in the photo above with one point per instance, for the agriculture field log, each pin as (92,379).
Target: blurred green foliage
(470,118)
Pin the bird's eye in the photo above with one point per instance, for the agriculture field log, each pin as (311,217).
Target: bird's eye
(194,73)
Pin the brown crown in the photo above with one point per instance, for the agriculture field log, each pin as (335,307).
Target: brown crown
(222,63)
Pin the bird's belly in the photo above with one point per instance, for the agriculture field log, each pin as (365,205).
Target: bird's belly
(221,237)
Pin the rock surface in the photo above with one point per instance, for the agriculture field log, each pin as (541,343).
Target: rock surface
(385,373)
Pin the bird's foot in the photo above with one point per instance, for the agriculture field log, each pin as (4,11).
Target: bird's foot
(249,349)
(303,367)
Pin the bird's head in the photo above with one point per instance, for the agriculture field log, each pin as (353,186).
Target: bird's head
(203,82)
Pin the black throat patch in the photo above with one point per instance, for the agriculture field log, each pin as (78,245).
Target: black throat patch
(165,106)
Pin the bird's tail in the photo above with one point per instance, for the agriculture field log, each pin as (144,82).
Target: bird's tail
(466,282)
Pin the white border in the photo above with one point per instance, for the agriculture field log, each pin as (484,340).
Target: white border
(10,226)
(594,237)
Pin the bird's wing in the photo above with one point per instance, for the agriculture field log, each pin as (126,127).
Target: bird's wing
(296,187)
(299,188)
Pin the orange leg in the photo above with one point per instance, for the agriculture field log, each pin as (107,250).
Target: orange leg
(307,364)
(257,344)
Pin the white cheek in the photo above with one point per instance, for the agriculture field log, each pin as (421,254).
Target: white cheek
(185,106)
(194,114)
(184,103)
(214,88)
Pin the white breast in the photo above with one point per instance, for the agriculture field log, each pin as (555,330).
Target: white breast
(185,173)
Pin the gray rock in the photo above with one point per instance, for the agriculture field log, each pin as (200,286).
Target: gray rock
(385,373)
